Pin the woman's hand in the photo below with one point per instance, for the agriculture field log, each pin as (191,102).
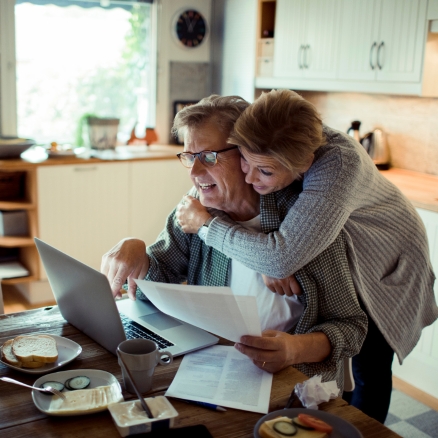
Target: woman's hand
(191,215)
(125,261)
(275,350)
(285,286)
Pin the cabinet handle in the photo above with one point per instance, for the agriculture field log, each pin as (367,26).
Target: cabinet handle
(371,55)
(380,64)
(85,168)
(306,52)
(300,51)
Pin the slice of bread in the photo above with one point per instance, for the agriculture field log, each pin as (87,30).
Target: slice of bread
(8,355)
(266,430)
(35,348)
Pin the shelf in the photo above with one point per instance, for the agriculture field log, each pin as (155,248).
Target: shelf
(11,241)
(17,280)
(16,205)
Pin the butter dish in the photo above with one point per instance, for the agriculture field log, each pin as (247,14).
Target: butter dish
(130,418)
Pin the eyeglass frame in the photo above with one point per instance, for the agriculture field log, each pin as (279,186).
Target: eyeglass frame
(198,155)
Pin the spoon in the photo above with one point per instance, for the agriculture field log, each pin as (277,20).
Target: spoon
(140,397)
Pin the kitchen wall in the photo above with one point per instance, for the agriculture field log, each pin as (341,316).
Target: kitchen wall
(411,123)
(171,53)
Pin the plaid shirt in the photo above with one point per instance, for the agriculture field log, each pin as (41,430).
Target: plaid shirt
(330,301)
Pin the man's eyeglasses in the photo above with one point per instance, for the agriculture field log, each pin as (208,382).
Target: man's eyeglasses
(207,158)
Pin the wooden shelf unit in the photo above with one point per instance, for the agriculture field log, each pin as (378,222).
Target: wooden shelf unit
(27,251)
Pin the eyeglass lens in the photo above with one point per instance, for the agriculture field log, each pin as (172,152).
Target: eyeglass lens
(207,158)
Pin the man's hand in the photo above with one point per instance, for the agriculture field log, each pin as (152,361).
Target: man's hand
(275,350)
(125,261)
(272,352)
(285,286)
(191,215)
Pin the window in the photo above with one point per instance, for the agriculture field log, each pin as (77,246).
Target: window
(79,58)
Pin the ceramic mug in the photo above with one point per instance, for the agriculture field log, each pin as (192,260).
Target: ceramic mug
(141,356)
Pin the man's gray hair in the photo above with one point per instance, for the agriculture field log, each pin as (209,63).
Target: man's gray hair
(223,110)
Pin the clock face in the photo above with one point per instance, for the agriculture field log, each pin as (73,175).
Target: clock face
(191,28)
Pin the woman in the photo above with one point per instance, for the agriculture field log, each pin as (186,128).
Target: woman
(282,138)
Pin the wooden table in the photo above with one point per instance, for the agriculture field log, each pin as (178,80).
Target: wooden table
(20,418)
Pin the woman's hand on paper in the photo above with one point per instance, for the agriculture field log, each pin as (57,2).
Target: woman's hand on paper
(275,350)
(191,214)
(125,261)
(283,286)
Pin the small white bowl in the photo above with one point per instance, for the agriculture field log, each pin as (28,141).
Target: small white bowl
(130,418)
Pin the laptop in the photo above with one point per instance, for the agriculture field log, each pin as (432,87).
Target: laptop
(85,300)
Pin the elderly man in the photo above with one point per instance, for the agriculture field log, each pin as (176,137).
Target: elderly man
(313,332)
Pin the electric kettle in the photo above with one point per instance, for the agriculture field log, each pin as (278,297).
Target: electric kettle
(375,144)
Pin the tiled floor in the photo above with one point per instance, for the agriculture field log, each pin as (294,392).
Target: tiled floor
(410,418)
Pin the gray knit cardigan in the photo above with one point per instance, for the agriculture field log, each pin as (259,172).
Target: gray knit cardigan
(387,244)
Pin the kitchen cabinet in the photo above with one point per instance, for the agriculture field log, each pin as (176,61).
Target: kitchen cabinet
(306,38)
(156,187)
(86,209)
(22,245)
(376,46)
(382,40)
(420,368)
(83,209)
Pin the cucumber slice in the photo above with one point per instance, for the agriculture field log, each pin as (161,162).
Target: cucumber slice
(57,385)
(285,428)
(78,382)
(299,423)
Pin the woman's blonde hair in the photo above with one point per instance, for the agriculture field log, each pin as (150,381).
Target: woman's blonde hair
(283,125)
(223,110)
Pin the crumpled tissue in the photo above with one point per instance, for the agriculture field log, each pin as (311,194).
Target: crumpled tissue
(312,392)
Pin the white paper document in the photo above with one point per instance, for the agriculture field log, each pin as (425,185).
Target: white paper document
(222,376)
(214,309)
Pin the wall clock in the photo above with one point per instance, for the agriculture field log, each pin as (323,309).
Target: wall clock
(190,28)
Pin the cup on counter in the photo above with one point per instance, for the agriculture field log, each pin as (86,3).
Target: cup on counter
(141,356)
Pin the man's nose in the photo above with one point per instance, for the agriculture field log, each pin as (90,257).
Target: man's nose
(197,167)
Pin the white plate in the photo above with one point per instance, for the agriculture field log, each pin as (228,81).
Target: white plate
(341,427)
(97,378)
(68,350)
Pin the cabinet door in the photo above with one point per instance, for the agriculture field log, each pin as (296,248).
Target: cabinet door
(289,46)
(322,38)
(156,187)
(401,40)
(359,40)
(83,209)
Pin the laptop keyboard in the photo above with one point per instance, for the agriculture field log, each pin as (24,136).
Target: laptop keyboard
(134,330)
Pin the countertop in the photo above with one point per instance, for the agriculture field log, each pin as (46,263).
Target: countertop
(420,188)
(122,153)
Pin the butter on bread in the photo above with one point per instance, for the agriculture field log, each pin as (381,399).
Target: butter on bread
(90,400)
(35,349)
(266,430)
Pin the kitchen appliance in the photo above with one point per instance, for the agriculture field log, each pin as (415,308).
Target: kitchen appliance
(353,130)
(374,143)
